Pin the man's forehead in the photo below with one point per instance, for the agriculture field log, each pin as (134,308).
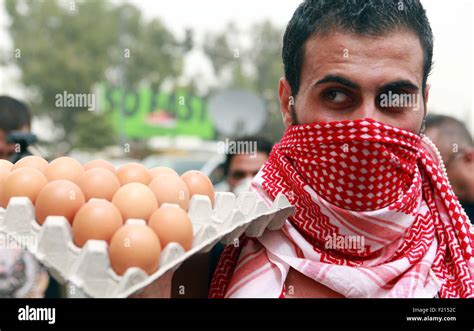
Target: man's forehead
(397,52)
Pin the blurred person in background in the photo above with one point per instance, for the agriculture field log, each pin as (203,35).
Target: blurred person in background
(14,116)
(456,146)
(240,168)
(21,275)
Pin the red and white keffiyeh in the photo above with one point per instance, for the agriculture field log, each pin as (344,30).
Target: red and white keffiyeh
(356,179)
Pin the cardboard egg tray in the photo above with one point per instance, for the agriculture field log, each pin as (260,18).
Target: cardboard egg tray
(88,269)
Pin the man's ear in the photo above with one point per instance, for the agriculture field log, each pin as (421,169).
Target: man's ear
(286,101)
(425,98)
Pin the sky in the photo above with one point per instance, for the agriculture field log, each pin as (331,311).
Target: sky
(452,23)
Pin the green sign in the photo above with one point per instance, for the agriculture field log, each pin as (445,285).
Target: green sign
(145,113)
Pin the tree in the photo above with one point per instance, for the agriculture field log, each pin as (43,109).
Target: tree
(71,46)
(101,125)
(257,68)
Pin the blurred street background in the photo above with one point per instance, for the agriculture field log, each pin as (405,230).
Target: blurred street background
(171,80)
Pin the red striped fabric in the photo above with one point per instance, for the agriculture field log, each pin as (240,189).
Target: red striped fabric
(378,195)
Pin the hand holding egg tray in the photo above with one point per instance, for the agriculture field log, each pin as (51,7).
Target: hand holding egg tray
(88,268)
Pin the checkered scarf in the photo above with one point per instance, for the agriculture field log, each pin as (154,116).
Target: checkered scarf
(375,217)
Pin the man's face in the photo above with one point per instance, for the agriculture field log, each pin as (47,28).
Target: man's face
(7,150)
(459,164)
(461,175)
(344,76)
(444,147)
(243,166)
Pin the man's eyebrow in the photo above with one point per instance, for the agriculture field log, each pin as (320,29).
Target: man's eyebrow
(400,84)
(337,79)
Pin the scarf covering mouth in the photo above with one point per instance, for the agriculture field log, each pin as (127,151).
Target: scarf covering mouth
(375,217)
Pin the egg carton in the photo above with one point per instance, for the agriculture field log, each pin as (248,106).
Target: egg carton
(87,270)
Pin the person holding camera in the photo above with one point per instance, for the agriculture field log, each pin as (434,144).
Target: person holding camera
(14,117)
(21,275)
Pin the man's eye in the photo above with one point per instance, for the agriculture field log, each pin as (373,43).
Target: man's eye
(336,96)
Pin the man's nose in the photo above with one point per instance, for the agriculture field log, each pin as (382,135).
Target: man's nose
(367,109)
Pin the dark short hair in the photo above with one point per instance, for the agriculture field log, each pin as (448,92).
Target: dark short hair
(14,114)
(366,17)
(450,129)
(263,146)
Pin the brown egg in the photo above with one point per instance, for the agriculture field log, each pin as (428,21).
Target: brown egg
(172,224)
(100,164)
(59,198)
(32,161)
(5,164)
(135,200)
(5,169)
(135,245)
(23,182)
(133,173)
(198,183)
(98,183)
(64,168)
(98,219)
(157,171)
(169,188)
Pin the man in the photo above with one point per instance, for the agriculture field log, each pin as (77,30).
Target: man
(20,273)
(242,167)
(14,116)
(457,150)
(375,215)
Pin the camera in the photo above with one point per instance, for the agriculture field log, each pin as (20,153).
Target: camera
(21,140)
